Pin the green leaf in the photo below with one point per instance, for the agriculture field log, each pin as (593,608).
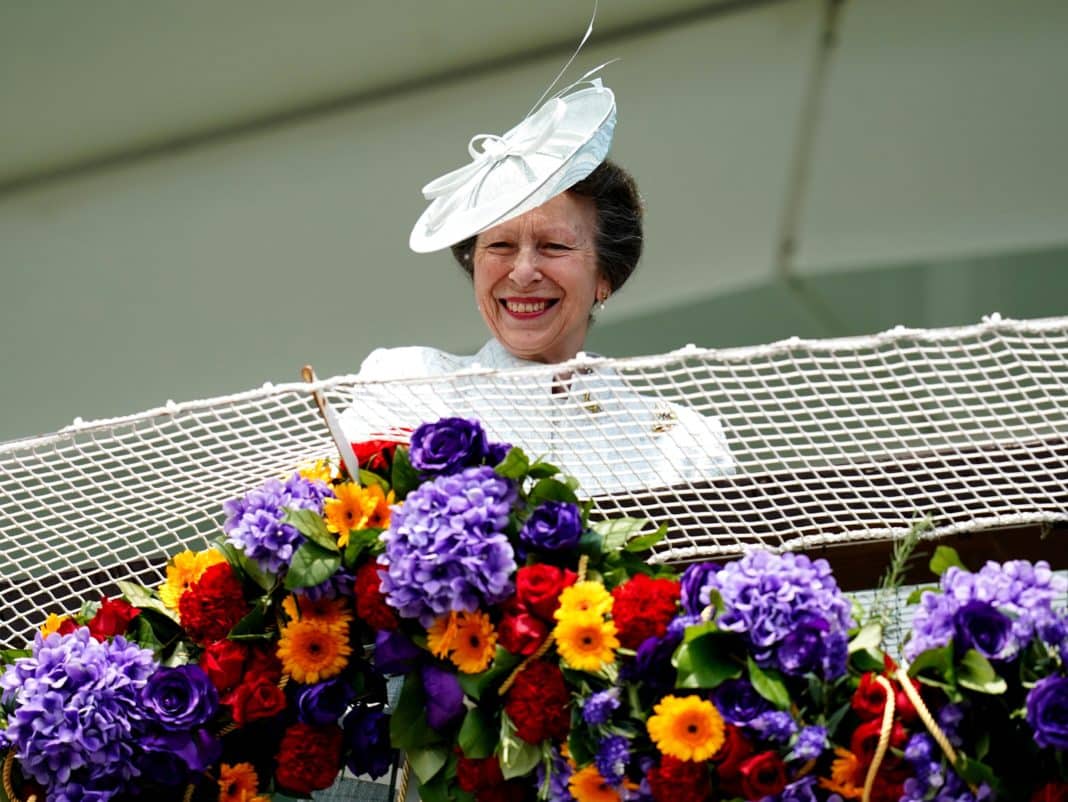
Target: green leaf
(542,470)
(11,655)
(250,568)
(943,558)
(704,662)
(769,684)
(310,524)
(976,773)
(917,593)
(474,685)
(408,728)
(359,542)
(646,542)
(368,478)
(145,599)
(514,465)
(311,565)
(404,477)
(935,664)
(617,531)
(976,673)
(517,757)
(427,762)
(551,490)
(478,734)
(869,637)
(253,626)
(864,660)
(695,631)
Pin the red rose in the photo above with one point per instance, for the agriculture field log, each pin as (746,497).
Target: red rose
(538,588)
(677,780)
(223,661)
(735,749)
(643,607)
(475,774)
(213,605)
(763,774)
(519,632)
(904,709)
(537,703)
(67,626)
(263,662)
(869,699)
(375,455)
(370,602)
(309,758)
(113,617)
(256,698)
(866,738)
(1051,792)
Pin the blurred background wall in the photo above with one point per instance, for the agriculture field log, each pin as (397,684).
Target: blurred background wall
(197,198)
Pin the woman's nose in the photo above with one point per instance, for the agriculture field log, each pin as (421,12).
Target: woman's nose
(525,268)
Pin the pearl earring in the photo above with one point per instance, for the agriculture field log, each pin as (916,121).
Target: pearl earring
(602,298)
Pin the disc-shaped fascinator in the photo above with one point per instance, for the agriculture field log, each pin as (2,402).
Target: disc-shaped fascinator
(549,151)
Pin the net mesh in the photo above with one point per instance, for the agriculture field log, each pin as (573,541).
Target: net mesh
(790,446)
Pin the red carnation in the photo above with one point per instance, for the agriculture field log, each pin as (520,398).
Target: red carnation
(483,778)
(370,602)
(537,703)
(538,588)
(763,774)
(309,758)
(256,698)
(264,662)
(677,780)
(520,632)
(1051,792)
(113,617)
(224,662)
(643,607)
(213,605)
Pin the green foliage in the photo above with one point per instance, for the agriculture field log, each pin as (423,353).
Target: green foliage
(517,757)
(478,734)
(311,525)
(311,565)
(706,661)
(769,684)
(403,476)
(945,558)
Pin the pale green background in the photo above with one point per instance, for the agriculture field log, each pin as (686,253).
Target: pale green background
(197,198)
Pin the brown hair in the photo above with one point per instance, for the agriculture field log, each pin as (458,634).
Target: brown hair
(619,224)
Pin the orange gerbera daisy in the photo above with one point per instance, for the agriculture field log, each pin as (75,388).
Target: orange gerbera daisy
(312,651)
(585,640)
(475,642)
(379,517)
(184,570)
(237,783)
(441,634)
(686,727)
(587,785)
(332,612)
(584,597)
(847,775)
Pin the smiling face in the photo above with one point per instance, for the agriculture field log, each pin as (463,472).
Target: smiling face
(536,279)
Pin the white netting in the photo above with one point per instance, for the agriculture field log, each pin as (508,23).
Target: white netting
(791,445)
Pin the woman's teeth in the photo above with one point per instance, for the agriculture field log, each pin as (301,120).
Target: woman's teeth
(527,307)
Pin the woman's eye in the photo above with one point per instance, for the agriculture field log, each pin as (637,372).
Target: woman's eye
(499,246)
(557,246)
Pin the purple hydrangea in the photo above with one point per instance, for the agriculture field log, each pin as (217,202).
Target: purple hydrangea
(78,713)
(254,522)
(446,548)
(1000,608)
(600,706)
(613,754)
(553,526)
(789,609)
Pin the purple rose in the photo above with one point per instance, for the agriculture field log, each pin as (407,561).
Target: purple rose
(496,452)
(738,701)
(199,750)
(553,526)
(180,698)
(692,581)
(652,663)
(323,703)
(367,741)
(447,446)
(1047,712)
(395,653)
(444,697)
(981,626)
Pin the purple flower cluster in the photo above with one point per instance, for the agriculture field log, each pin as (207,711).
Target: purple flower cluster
(554,784)
(613,754)
(996,611)
(254,522)
(599,707)
(446,548)
(931,779)
(789,609)
(79,714)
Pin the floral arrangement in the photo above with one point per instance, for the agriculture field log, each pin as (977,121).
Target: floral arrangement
(541,656)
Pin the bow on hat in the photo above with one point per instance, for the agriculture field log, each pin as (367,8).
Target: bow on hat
(540,133)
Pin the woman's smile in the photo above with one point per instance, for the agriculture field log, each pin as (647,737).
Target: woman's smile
(528,308)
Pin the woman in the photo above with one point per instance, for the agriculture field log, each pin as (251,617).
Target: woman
(548,230)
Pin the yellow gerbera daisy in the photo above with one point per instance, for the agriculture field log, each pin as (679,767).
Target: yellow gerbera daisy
(349,511)
(847,775)
(587,596)
(312,651)
(587,785)
(586,641)
(686,727)
(237,783)
(332,612)
(318,471)
(183,570)
(475,642)
(52,624)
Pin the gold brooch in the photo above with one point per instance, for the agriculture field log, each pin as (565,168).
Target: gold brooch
(665,419)
(589,404)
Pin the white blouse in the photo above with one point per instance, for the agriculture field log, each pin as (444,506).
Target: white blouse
(590,423)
